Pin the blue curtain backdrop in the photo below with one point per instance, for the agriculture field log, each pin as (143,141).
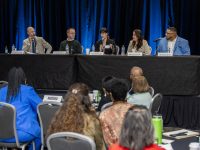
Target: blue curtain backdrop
(51,18)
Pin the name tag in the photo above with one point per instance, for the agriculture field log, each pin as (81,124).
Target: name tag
(17,52)
(50,98)
(165,54)
(96,53)
(134,54)
(59,52)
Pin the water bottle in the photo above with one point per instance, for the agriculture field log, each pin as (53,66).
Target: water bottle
(6,50)
(123,50)
(157,122)
(72,50)
(13,47)
(82,48)
(93,48)
(67,49)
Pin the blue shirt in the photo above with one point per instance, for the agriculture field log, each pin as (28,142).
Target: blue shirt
(144,99)
(25,102)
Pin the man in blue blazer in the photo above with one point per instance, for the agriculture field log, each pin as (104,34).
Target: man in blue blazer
(172,43)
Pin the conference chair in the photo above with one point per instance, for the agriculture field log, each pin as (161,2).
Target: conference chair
(156,103)
(151,91)
(46,111)
(8,127)
(70,141)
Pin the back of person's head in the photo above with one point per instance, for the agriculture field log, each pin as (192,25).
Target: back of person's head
(16,77)
(140,84)
(106,83)
(137,131)
(119,89)
(136,71)
(83,90)
(70,116)
(79,88)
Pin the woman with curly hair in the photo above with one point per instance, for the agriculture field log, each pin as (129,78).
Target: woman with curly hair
(78,115)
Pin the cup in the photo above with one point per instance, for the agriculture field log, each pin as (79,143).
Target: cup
(91,96)
(95,93)
(87,51)
(194,146)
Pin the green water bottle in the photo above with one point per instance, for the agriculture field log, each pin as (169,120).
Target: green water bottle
(158,128)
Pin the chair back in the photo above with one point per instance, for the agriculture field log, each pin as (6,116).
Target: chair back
(8,122)
(70,141)
(46,111)
(156,103)
(151,91)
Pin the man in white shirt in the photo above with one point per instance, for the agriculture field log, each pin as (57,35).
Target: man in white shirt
(174,44)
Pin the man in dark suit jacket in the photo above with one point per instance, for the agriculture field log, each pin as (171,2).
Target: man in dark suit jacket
(73,45)
(172,43)
(105,45)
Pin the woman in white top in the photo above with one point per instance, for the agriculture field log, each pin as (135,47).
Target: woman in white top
(138,44)
(141,95)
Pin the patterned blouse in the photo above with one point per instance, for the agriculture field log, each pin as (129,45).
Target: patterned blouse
(111,120)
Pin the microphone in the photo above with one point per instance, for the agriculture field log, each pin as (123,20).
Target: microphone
(158,39)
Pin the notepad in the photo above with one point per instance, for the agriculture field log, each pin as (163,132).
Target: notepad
(180,134)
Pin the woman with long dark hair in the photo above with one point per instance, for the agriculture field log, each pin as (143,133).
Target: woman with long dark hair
(25,100)
(137,132)
(138,44)
(78,115)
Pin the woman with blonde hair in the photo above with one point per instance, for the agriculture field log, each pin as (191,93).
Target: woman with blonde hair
(141,94)
(78,115)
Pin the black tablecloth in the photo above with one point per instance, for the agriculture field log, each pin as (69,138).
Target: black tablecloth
(168,75)
(42,71)
(181,111)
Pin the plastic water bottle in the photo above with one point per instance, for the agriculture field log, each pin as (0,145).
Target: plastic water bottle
(67,49)
(82,48)
(6,50)
(13,47)
(93,48)
(72,49)
(123,50)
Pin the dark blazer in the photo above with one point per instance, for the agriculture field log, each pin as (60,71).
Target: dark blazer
(106,51)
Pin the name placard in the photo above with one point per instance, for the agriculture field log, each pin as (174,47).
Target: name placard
(54,98)
(59,52)
(96,53)
(165,54)
(134,54)
(17,52)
